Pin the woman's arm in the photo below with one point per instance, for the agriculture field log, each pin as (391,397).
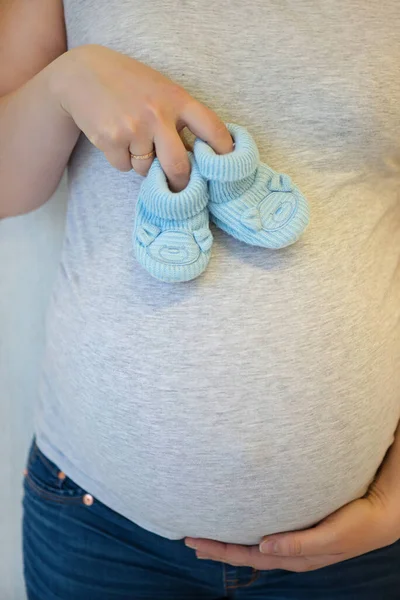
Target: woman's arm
(36,136)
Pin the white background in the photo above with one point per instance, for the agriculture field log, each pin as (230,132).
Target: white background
(29,252)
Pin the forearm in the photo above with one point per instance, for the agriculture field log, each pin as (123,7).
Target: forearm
(387,482)
(36,140)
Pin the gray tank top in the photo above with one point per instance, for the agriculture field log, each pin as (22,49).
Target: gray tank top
(262,396)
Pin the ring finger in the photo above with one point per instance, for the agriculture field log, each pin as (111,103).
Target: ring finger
(142,153)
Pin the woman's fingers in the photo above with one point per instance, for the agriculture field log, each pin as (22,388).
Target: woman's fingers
(169,147)
(126,158)
(167,142)
(204,123)
(173,156)
(119,158)
(142,153)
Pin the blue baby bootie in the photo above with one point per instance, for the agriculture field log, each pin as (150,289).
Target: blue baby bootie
(172,237)
(248,199)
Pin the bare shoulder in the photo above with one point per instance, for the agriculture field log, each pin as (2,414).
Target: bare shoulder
(32,34)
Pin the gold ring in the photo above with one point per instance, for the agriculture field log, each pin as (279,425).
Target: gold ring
(143,156)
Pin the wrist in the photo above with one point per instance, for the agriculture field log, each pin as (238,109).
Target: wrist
(60,75)
(387,502)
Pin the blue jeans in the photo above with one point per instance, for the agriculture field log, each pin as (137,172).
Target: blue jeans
(75,548)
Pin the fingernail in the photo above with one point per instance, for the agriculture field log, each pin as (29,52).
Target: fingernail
(270,547)
(203,557)
(191,544)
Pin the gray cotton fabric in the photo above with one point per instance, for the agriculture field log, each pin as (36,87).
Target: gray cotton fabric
(264,395)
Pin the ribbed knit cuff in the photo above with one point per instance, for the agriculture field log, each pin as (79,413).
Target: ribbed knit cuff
(236,165)
(160,201)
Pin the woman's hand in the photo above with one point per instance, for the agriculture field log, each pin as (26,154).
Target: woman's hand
(364,525)
(359,527)
(125,107)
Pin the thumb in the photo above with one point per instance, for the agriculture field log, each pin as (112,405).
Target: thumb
(331,536)
(320,539)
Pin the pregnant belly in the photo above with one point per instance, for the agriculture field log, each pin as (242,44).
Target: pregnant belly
(232,467)
(213,416)
(257,473)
